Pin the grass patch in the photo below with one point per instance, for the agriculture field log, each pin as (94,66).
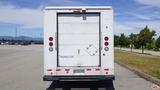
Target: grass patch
(147,64)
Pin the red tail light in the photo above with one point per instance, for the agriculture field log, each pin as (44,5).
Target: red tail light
(106,38)
(106,43)
(50,38)
(50,44)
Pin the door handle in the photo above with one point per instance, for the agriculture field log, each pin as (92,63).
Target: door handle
(79,51)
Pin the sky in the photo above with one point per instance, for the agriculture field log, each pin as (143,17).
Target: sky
(26,16)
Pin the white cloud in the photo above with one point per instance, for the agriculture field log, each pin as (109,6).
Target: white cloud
(149,2)
(28,17)
(122,28)
(22,16)
(136,26)
(68,2)
(140,16)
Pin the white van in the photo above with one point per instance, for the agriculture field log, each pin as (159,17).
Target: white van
(78,43)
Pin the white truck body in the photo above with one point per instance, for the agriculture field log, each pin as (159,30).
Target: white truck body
(78,43)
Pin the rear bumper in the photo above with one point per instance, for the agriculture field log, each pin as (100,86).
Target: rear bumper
(79,78)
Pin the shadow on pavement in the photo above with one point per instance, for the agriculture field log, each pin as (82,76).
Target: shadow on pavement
(94,85)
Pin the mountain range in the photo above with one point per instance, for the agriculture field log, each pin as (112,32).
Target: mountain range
(26,38)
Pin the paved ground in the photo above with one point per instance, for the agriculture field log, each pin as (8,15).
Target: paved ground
(154,53)
(21,68)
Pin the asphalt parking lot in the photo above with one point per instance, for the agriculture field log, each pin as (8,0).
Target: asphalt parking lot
(21,68)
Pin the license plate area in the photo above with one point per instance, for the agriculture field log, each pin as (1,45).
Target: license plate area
(78,71)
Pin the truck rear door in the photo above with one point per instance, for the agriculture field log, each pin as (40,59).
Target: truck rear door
(78,39)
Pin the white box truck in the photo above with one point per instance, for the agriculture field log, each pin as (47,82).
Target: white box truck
(78,43)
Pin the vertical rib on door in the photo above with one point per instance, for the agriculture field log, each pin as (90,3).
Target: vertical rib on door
(78,39)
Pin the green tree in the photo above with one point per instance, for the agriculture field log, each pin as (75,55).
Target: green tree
(131,39)
(127,42)
(145,36)
(136,41)
(158,43)
(116,40)
(122,40)
(150,46)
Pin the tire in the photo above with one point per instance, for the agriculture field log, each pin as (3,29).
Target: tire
(94,88)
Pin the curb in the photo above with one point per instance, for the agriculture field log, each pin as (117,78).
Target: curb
(141,74)
(145,53)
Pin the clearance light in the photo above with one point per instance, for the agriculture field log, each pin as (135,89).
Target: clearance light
(88,69)
(58,69)
(67,70)
(97,69)
(49,69)
(83,11)
(106,69)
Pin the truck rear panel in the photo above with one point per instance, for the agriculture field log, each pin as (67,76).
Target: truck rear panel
(78,42)
(78,39)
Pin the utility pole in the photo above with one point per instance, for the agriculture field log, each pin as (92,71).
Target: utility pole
(16,35)
(15,32)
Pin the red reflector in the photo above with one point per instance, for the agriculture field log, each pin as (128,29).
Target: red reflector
(106,72)
(50,44)
(58,69)
(88,69)
(106,43)
(97,69)
(49,69)
(106,38)
(67,69)
(50,38)
(106,69)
